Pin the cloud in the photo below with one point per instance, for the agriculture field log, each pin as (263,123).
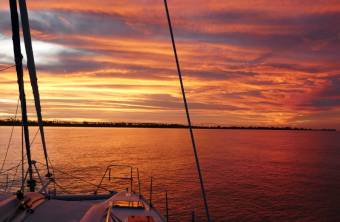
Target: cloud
(45,53)
(243,62)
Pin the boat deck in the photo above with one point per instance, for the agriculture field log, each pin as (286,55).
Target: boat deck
(122,206)
(59,210)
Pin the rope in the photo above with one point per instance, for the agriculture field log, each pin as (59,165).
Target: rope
(8,67)
(16,166)
(187,113)
(10,138)
(78,178)
(61,187)
(9,169)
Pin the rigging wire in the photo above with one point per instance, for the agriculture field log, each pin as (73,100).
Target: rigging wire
(61,187)
(10,169)
(76,177)
(22,161)
(8,67)
(14,179)
(16,166)
(53,172)
(35,135)
(187,113)
(10,138)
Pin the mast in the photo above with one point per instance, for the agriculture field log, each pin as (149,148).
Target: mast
(20,76)
(33,74)
(193,142)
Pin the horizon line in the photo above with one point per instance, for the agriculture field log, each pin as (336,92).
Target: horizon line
(109,124)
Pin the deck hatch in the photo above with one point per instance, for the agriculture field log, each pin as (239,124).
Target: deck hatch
(127,204)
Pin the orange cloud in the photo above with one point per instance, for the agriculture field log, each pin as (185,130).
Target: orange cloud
(244,62)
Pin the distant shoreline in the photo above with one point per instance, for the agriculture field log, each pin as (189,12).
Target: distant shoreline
(10,122)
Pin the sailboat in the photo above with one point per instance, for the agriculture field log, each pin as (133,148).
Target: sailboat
(35,200)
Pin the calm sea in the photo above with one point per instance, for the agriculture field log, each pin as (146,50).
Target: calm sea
(249,175)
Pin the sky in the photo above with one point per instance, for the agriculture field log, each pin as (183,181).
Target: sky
(245,62)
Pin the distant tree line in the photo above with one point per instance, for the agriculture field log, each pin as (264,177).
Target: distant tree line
(58,123)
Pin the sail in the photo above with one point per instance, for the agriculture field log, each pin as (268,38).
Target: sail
(33,74)
(19,71)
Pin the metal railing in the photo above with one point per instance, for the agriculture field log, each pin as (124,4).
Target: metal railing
(108,175)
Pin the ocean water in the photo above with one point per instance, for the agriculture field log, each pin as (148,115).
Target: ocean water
(249,175)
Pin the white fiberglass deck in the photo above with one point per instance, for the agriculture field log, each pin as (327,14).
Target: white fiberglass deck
(121,207)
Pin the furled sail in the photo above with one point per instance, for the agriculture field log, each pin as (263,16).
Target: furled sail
(19,71)
(33,75)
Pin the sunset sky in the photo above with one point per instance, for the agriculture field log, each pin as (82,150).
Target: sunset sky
(245,62)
